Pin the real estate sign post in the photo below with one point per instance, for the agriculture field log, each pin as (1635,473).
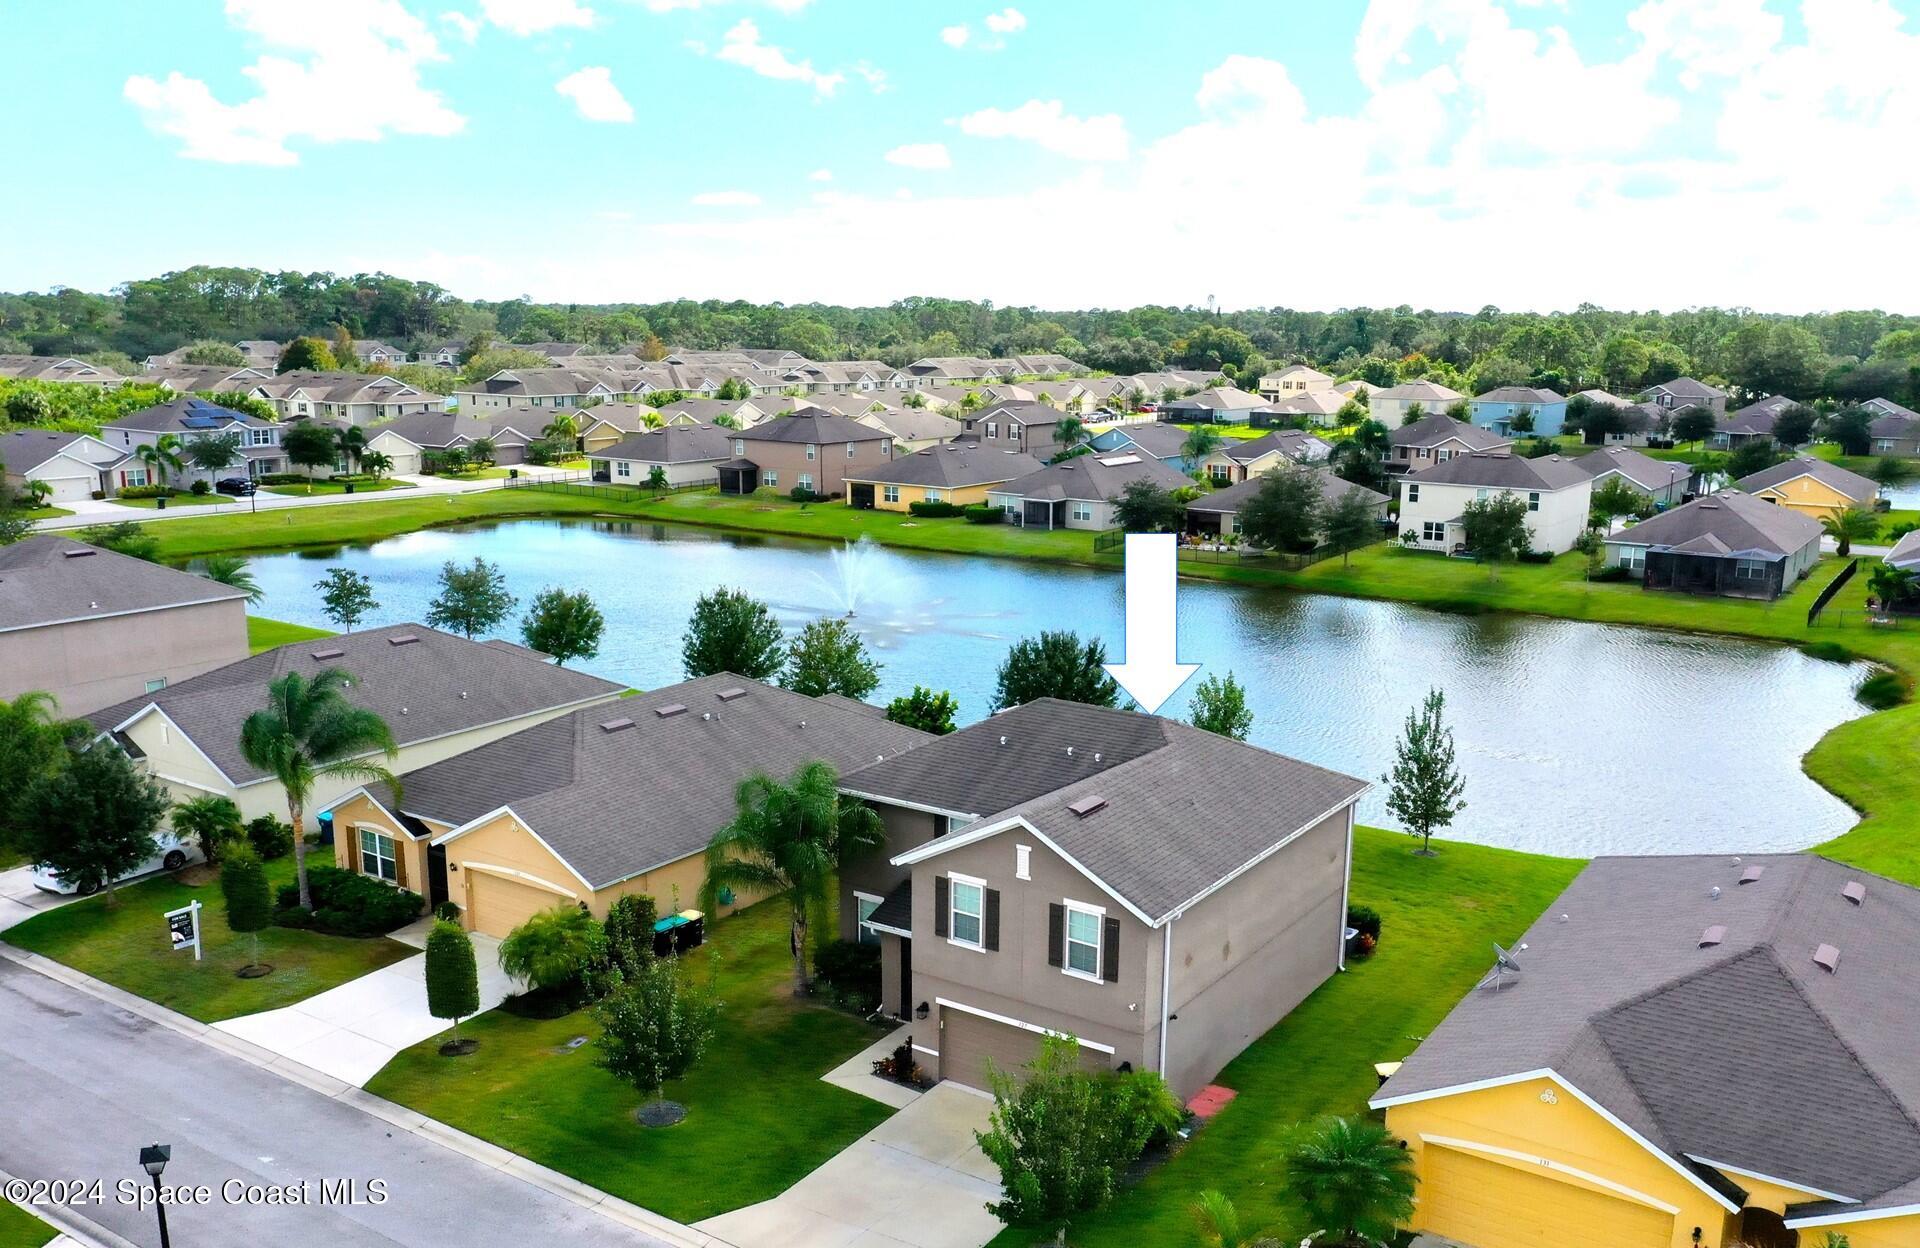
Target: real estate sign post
(183,928)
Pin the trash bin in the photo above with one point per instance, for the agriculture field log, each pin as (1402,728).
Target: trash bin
(160,503)
(513,474)
(665,935)
(693,933)
(349,488)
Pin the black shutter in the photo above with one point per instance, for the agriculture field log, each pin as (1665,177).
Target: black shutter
(990,918)
(1110,959)
(1056,934)
(939,905)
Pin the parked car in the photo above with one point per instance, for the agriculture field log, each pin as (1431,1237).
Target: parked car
(170,854)
(235,485)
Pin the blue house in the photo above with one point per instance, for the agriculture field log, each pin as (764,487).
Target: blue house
(1156,441)
(1497,409)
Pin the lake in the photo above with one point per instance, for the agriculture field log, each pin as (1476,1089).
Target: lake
(1574,738)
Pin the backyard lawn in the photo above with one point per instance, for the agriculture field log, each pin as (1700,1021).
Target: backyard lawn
(127,947)
(758,1119)
(320,488)
(265,634)
(20,1229)
(1440,917)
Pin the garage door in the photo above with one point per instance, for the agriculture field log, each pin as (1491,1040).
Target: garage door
(1490,1205)
(500,904)
(968,1043)
(71,489)
(509,453)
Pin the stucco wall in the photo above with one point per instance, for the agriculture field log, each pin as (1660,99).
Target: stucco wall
(874,873)
(829,467)
(90,664)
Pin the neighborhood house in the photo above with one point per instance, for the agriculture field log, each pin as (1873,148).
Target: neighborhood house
(1557,492)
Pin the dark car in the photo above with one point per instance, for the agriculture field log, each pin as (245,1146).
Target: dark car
(235,485)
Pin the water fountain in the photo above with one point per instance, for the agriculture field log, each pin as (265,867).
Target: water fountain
(854,565)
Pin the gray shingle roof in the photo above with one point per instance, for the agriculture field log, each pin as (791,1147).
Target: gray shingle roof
(1856,487)
(1905,552)
(1519,394)
(1234,497)
(1745,1051)
(952,465)
(26,449)
(426,688)
(437,430)
(1437,427)
(1020,412)
(172,417)
(575,783)
(1292,443)
(1095,477)
(672,444)
(1688,388)
(906,423)
(1501,470)
(45,579)
(1643,470)
(1428,392)
(1740,522)
(816,427)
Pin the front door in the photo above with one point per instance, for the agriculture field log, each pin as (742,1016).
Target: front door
(436,876)
(906,977)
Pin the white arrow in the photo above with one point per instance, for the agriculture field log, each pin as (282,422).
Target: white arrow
(1150,673)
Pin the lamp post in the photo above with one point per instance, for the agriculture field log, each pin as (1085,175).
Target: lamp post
(153,1159)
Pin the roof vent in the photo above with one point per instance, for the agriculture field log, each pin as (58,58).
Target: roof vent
(728,695)
(463,695)
(328,654)
(1096,756)
(707,716)
(670,710)
(406,639)
(615,725)
(1827,958)
(1003,739)
(1854,891)
(1752,874)
(1069,751)
(1713,894)
(82,553)
(1088,805)
(1713,935)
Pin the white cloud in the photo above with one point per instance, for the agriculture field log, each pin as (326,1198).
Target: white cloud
(1047,123)
(532,17)
(921,156)
(742,46)
(955,36)
(1006,22)
(726,199)
(593,93)
(820,175)
(352,77)
(999,25)
(465,28)
(670,6)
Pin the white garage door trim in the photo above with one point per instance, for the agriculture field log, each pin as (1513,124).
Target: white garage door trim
(487,868)
(1550,1166)
(70,489)
(1014,1022)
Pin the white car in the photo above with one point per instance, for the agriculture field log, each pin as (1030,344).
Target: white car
(170,854)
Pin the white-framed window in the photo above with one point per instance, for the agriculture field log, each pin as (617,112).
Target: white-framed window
(1083,941)
(156,684)
(623,468)
(1413,491)
(849,450)
(1749,570)
(1533,500)
(992,430)
(260,437)
(739,446)
(967,911)
(1433,531)
(1883,445)
(890,493)
(770,477)
(134,476)
(933,496)
(812,450)
(865,904)
(1082,511)
(1633,558)
(377,857)
(805,481)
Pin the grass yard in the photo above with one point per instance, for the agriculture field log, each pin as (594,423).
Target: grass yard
(759,1118)
(43,513)
(20,1229)
(265,634)
(127,947)
(321,488)
(182,499)
(1440,917)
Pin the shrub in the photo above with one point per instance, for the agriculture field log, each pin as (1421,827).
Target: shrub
(851,972)
(1365,920)
(561,951)
(281,478)
(935,510)
(453,979)
(1884,690)
(146,491)
(347,904)
(1827,651)
(1607,576)
(801,494)
(243,884)
(447,911)
(985,515)
(1534,556)
(270,838)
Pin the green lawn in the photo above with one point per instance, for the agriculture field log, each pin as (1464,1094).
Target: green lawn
(759,1118)
(44,513)
(321,488)
(127,946)
(265,634)
(20,1229)
(182,499)
(1440,919)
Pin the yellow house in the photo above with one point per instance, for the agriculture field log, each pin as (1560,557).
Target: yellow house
(1683,1052)
(589,807)
(1810,486)
(951,472)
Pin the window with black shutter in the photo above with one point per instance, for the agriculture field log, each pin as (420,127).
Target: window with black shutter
(1110,961)
(992,923)
(939,905)
(1056,934)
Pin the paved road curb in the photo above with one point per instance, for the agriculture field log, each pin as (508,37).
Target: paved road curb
(397,1116)
(75,1231)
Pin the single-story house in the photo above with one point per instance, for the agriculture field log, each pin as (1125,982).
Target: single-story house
(1729,544)
(960,473)
(1640,423)
(406,439)
(1505,407)
(1223,405)
(1434,439)
(1895,429)
(93,627)
(1291,380)
(608,423)
(1238,459)
(743,412)
(440,695)
(75,465)
(352,398)
(1166,443)
(1905,552)
(1752,423)
(1217,512)
(1079,493)
(1813,486)
(1681,1052)
(1666,482)
(1392,405)
(546,816)
(686,454)
(1557,492)
(1320,408)
(1685,392)
(912,428)
(811,450)
(1162,894)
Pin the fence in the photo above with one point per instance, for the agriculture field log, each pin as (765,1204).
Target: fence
(1116,539)
(1833,587)
(581,484)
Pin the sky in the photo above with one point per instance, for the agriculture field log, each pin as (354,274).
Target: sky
(1529,154)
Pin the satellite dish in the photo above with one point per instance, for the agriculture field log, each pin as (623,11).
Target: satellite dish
(1504,965)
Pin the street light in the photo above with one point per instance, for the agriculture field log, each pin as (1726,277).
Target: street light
(153,1159)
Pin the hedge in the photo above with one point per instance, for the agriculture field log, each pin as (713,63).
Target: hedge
(935,510)
(347,904)
(985,515)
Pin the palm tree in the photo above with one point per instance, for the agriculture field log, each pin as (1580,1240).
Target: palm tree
(309,732)
(1892,585)
(1853,524)
(564,426)
(1353,1178)
(39,491)
(1203,441)
(162,455)
(231,570)
(1219,1224)
(1069,432)
(375,463)
(353,445)
(793,837)
(653,420)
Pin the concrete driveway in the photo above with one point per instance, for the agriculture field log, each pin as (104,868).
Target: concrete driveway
(915,1181)
(20,900)
(350,1032)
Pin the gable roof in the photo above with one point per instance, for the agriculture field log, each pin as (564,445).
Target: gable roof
(1744,1051)
(1687,388)
(1737,522)
(573,781)
(180,415)
(429,687)
(1094,477)
(671,444)
(1643,470)
(1519,394)
(1019,411)
(1755,418)
(1496,469)
(52,580)
(909,424)
(23,450)
(1428,392)
(1230,500)
(433,429)
(1850,484)
(952,465)
(1435,428)
(1905,552)
(1222,399)
(1302,372)
(1161,441)
(814,427)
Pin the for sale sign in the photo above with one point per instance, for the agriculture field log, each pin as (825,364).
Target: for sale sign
(183,928)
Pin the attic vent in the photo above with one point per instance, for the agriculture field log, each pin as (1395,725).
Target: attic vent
(1854,891)
(1088,805)
(615,725)
(728,695)
(404,640)
(1752,874)
(670,710)
(328,654)
(78,554)
(1827,958)
(1713,935)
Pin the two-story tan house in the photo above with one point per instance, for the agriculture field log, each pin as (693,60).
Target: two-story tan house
(811,450)
(1017,425)
(1162,894)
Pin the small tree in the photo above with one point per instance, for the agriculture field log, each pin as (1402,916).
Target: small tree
(1351,522)
(654,1028)
(1219,1224)
(1612,499)
(1855,524)
(162,456)
(1220,706)
(1523,421)
(309,355)
(1425,785)
(126,537)
(310,446)
(731,632)
(211,352)
(92,818)
(657,479)
(1692,424)
(1284,513)
(346,596)
(481,451)
(453,981)
(629,932)
(243,883)
(1353,1178)
(1852,428)
(473,599)
(1201,441)
(924,709)
(1751,457)
(1147,507)
(1055,665)
(376,464)
(1887,470)
(33,744)
(211,819)
(1794,426)
(1496,529)
(564,625)
(214,452)
(829,657)
(561,950)
(1892,586)
(352,443)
